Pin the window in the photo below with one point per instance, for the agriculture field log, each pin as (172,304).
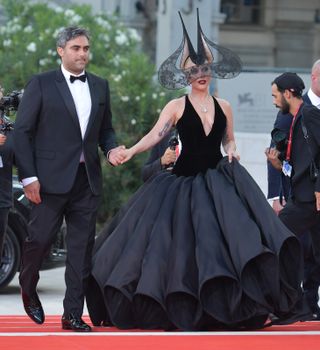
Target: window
(241,11)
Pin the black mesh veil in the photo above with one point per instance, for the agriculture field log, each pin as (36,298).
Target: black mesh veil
(220,62)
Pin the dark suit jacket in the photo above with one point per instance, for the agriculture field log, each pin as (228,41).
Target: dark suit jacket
(47,135)
(276,182)
(302,187)
(153,165)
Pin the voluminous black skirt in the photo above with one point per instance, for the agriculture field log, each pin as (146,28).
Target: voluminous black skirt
(203,252)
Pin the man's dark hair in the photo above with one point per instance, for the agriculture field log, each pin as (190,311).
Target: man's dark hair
(70,33)
(289,81)
(295,93)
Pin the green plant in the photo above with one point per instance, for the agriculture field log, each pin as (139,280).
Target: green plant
(27,47)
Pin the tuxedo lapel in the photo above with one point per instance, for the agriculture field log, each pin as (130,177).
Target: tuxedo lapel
(94,102)
(65,93)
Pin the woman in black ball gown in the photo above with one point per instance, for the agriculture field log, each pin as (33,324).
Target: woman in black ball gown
(198,248)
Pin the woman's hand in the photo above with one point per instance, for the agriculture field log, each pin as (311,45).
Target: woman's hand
(230,149)
(232,153)
(127,154)
(116,155)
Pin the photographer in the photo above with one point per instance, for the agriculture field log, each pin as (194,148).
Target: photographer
(6,160)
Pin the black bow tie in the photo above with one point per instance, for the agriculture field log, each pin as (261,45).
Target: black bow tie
(82,77)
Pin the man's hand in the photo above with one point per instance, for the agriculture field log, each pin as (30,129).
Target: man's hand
(2,139)
(127,155)
(116,155)
(32,192)
(276,205)
(317,194)
(168,157)
(273,157)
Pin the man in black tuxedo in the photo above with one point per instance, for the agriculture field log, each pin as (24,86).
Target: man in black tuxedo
(302,211)
(279,185)
(62,118)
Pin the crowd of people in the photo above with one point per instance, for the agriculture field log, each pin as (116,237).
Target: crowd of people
(197,247)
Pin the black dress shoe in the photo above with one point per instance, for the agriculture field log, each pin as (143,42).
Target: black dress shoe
(74,323)
(33,307)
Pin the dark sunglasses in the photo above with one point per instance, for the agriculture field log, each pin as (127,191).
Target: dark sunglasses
(195,70)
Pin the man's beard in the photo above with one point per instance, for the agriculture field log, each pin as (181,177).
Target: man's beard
(285,107)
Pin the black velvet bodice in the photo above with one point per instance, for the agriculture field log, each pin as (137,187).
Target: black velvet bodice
(199,151)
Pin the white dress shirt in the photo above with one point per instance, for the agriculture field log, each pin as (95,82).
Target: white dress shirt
(82,99)
(315,99)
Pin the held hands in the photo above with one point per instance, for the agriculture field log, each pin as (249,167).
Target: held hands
(120,155)
(116,155)
(32,192)
(127,155)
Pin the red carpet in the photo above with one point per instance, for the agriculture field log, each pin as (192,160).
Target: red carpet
(18,332)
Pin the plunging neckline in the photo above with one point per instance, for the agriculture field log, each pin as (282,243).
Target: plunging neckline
(199,118)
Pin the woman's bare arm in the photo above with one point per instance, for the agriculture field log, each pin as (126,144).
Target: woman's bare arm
(167,119)
(228,142)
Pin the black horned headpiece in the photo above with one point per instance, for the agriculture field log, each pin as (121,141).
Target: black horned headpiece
(224,64)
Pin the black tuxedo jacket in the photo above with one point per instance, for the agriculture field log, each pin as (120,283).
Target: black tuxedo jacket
(302,187)
(47,135)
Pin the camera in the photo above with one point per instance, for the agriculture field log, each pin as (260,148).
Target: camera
(280,140)
(5,124)
(11,101)
(173,142)
(8,103)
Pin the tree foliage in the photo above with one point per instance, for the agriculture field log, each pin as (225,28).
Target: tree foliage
(28,46)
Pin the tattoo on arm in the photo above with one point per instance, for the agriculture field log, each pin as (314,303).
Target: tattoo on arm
(165,129)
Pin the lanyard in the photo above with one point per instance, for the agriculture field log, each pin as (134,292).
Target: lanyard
(289,146)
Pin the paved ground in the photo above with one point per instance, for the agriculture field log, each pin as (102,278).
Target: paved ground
(51,292)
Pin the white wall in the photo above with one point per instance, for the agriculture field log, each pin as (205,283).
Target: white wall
(251,148)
